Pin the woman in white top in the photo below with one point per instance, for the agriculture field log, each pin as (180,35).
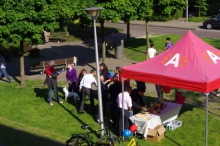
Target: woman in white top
(151,52)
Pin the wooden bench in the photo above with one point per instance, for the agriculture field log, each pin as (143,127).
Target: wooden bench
(58,64)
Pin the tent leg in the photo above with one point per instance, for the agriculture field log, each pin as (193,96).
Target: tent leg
(123,112)
(206,122)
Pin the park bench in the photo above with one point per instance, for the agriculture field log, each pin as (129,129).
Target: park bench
(58,64)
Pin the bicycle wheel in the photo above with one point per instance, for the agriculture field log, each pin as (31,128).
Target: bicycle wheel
(114,140)
(77,141)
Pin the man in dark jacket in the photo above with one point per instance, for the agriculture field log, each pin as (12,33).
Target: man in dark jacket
(51,82)
(114,90)
(137,94)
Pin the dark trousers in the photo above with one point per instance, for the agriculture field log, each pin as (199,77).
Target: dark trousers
(87,91)
(113,109)
(72,87)
(126,121)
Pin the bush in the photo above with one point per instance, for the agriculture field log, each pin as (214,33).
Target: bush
(35,52)
(213,9)
(6,53)
(14,50)
(158,18)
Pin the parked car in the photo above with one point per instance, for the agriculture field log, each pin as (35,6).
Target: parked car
(212,22)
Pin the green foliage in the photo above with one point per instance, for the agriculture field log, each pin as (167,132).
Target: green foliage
(169,8)
(213,9)
(202,7)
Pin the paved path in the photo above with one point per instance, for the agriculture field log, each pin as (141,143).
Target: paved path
(85,52)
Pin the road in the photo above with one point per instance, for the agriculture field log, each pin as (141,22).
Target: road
(140,30)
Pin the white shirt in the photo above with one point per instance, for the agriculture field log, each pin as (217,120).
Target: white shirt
(127,100)
(2,60)
(87,81)
(151,52)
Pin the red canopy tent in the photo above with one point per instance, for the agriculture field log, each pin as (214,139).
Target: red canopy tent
(189,64)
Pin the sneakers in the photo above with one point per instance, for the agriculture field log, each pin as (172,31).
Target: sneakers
(50,103)
(60,102)
(11,81)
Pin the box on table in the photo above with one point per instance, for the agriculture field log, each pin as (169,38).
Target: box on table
(156,134)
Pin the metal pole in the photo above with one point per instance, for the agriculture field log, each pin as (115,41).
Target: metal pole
(206,119)
(123,112)
(98,79)
(187,14)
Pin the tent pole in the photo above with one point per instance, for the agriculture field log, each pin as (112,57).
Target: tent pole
(123,112)
(206,122)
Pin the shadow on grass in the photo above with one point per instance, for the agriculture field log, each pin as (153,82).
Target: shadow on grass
(42,93)
(14,137)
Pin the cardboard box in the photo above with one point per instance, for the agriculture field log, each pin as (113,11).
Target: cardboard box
(156,134)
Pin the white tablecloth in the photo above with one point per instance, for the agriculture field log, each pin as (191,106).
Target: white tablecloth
(166,115)
(143,123)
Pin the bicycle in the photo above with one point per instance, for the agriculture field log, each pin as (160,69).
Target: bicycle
(84,139)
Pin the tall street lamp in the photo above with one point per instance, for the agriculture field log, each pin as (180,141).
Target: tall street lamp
(94,13)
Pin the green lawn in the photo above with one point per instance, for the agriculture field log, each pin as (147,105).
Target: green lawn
(26,119)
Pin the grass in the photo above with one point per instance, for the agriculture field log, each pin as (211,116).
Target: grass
(26,118)
(197,19)
(138,45)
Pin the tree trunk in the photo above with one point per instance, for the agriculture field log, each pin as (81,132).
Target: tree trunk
(22,72)
(128,33)
(147,37)
(103,42)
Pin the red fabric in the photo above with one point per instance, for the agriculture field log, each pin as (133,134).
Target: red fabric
(49,70)
(179,98)
(192,66)
(166,89)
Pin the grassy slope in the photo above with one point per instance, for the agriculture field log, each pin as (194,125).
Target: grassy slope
(27,119)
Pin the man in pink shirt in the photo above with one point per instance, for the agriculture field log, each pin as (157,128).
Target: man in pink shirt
(127,109)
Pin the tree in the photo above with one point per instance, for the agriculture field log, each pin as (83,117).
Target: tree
(108,14)
(128,12)
(169,8)
(145,10)
(25,21)
(202,7)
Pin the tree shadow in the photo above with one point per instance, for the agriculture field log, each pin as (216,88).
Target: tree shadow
(14,137)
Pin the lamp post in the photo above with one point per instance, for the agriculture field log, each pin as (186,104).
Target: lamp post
(94,13)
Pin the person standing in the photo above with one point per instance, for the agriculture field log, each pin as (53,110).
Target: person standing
(138,94)
(81,74)
(3,68)
(127,108)
(104,71)
(71,77)
(151,52)
(168,44)
(114,90)
(51,82)
(86,88)
(104,89)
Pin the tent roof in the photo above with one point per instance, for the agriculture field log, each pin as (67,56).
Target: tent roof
(189,64)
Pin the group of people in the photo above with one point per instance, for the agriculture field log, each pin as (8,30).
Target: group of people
(151,52)
(111,90)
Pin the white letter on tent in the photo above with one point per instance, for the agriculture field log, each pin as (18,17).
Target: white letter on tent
(174,60)
(213,56)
